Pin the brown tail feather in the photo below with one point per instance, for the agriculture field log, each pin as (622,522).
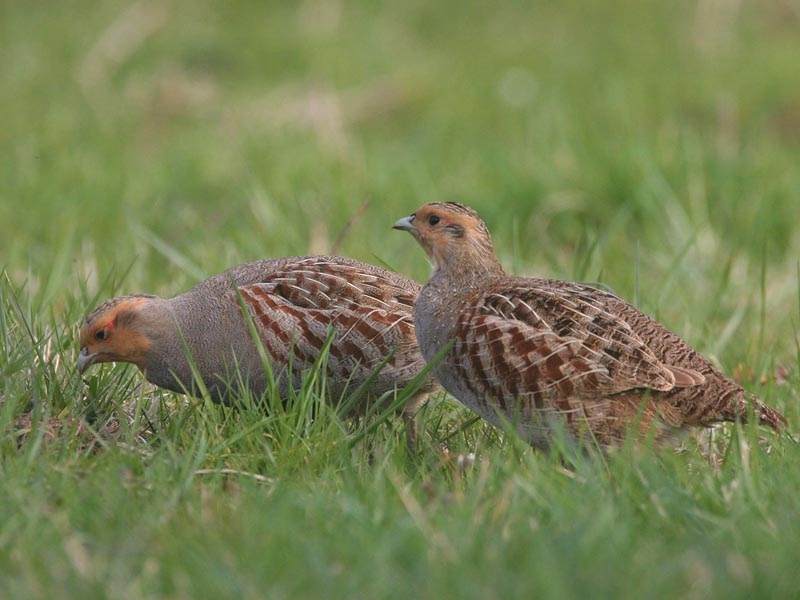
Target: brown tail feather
(770,417)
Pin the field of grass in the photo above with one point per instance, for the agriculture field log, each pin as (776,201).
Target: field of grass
(650,146)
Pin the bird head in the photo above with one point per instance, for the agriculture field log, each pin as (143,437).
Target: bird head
(115,332)
(453,235)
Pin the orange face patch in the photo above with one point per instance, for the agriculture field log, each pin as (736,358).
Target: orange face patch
(107,332)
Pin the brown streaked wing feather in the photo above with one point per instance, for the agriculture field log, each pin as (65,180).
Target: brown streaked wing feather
(365,335)
(368,336)
(503,359)
(686,377)
(328,285)
(593,315)
(283,329)
(600,353)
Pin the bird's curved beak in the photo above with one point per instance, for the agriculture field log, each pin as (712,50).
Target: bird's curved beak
(405,224)
(85,360)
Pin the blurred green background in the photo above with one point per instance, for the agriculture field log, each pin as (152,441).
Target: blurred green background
(652,146)
(590,136)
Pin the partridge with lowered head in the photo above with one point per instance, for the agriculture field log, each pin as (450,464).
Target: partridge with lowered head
(293,304)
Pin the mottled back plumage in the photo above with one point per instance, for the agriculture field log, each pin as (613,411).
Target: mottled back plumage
(542,354)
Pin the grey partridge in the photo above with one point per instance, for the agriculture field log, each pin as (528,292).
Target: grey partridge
(293,304)
(543,354)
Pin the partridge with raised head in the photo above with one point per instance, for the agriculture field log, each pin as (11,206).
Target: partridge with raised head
(293,304)
(543,354)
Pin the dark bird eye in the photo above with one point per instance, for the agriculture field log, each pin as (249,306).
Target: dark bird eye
(433,220)
(100,334)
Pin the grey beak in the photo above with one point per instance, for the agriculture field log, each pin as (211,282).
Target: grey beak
(85,360)
(405,224)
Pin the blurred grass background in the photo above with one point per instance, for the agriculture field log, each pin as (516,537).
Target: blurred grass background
(652,146)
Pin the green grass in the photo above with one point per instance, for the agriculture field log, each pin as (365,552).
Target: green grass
(650,146)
